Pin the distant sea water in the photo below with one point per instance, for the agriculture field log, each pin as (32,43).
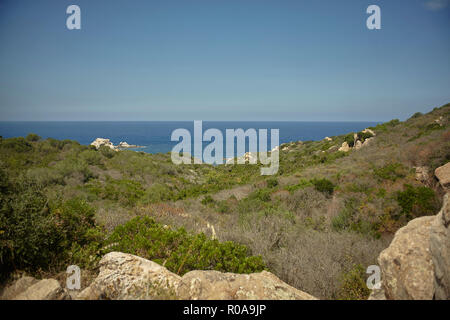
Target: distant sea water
(155,135)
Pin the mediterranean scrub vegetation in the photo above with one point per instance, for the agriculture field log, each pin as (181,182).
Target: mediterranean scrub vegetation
(317,224)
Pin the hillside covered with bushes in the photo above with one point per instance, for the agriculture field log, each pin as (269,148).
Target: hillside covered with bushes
(317,224)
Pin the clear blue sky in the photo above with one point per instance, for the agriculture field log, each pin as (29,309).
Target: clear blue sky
(223,60)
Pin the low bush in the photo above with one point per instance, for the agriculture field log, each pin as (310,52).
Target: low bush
(392,171)
(181,252)
(107,152)
(32,137)
(301,185)
(91,157)
(272,183)
(207,200)
(344,219)
(350,139)
(417,201)
(364,135)
(416,115)
(323,185)
(261,194)
(223,207)
(353,284)
(19,145)
(35,235)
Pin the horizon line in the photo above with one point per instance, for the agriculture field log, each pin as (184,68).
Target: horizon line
(374,121)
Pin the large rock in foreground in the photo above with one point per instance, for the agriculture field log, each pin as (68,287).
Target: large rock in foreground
(440,251)
(128,277)
(416,265)
(17,287)
(46,289)
(443,175)
(125,276)
(215,285)
(407,266)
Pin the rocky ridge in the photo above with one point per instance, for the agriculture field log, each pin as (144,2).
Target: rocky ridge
(416,265)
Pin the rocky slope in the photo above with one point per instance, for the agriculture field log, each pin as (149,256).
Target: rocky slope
(416,265)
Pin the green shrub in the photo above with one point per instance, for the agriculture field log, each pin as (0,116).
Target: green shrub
(91,157)
(417,201)
(74,218)
(223,207)
(157,193)
(387,125)
(32,137)
(301,185)
(207,200)
(392,171)
(70,167)
(45,176)
(58,144)
(261,195)
(19,145)
(181,252)
(107,152)
(35,235)
(28,233)
(364,135)
(323,185)
(344,219)
(350,139)
(416,115)
(353,285)
(272,183)
(126,192)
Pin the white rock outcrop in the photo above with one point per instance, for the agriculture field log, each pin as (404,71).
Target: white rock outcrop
(125,276)
(345,147)
(97,143)
(369,131)
(422,173)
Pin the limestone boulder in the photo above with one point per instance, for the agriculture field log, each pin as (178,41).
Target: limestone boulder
(17,287)
(215,285)
(406,265)
(46,289)
(440,251)
(125,276)
(367,130)
(443,175)
(345,147)
(422,173)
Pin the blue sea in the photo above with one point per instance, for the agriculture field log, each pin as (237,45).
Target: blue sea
(155,135)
